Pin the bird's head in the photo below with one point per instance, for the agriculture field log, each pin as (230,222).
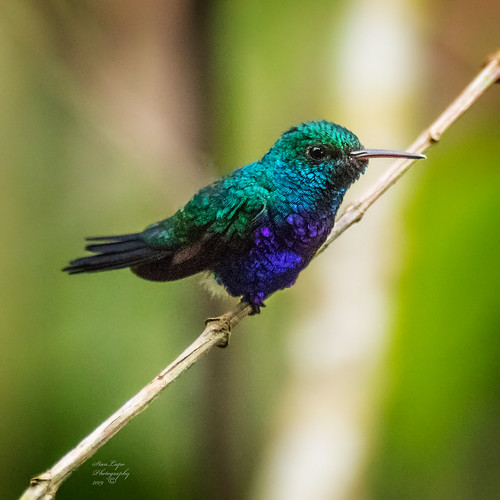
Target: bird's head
(328,150)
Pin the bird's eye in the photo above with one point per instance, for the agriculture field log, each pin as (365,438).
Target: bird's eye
(317,153)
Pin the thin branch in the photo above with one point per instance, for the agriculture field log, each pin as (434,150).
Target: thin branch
(218,330)
(476,88)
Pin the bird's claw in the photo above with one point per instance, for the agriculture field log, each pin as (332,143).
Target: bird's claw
(255,309)
(255,305)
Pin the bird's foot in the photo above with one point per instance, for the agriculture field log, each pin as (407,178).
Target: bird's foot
(255,309)
(255,302)
(224,327)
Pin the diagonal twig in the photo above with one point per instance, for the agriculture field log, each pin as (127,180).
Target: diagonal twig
(217,330)
(355,212)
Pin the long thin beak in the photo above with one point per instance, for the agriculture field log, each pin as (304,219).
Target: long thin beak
(384,153)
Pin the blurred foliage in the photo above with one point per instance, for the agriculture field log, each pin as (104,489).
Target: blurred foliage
(74,349)
(440,437)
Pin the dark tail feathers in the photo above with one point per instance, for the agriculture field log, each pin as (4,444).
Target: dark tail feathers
(115,252)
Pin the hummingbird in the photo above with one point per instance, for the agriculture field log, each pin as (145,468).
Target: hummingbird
(254,229)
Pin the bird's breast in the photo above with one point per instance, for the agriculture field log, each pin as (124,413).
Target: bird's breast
(300,229)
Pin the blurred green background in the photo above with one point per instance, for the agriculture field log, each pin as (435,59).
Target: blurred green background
(376,377)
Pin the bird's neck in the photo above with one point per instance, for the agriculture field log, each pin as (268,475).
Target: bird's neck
(310,190)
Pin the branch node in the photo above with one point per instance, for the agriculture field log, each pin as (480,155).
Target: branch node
(434,136)
(495,59)
(45,477)
(221,326)
(358,209)
(224,341)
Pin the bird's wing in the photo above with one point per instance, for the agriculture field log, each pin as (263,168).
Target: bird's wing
(214,223)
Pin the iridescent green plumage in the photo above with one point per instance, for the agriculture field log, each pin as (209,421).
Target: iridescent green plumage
(256,228)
